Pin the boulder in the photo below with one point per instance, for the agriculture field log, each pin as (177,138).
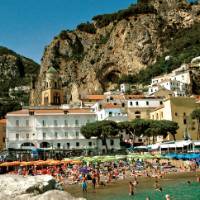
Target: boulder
(44,187)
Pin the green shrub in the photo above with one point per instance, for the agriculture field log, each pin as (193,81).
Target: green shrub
(132,10)
(87,27)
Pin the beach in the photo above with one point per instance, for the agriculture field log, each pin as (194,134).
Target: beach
(174,184)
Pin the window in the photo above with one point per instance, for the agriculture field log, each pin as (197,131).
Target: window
(111,142)
(58,145)
(68,145)
(27,136)
(90,144)
(161,103)
(56,134)
(17,136)
(147,103)
(115,104)
(131,103)
(55,123)
(110,114)
(157,116)
(17,123)
(27,123)
(44,135)
(66,134)
(66,122)
(137,116)
(77,134)
(136,103)
(184,121)
(43,123)
(123,105)
(100,106)
(77,144)
(76,122)
(137,112)
(176,114)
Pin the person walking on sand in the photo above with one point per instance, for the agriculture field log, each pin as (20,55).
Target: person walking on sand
(131,189)
(84,184)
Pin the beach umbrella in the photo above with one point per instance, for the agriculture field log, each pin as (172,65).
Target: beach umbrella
(26,163)
(9,164)
(84,170)
(66,161)
(53,162)
(77,162)
(120,157)
(40,162)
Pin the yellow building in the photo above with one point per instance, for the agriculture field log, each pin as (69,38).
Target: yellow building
(52,93)
(178,109)
(2,133)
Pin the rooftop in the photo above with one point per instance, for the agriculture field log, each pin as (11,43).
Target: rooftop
(51,111)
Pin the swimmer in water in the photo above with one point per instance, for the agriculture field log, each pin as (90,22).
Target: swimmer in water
(167,197)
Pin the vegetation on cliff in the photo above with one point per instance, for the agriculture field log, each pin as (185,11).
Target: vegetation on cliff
(132,10)
(15,71)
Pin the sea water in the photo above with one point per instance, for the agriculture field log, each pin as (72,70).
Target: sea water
(178,188)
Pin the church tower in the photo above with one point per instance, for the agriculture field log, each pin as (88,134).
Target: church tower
(52,93)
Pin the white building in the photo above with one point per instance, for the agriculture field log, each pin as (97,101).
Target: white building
(110,111)
(177,81)
(52,129)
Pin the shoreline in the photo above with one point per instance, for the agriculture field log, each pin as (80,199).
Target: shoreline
(145,184)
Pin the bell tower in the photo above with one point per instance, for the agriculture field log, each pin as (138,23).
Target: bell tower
(52,93)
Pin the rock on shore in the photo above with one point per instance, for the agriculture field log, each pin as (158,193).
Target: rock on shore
(44,187)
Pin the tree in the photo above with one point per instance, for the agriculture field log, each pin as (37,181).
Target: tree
(101,129)
(161,128)
(169,127)
(196,115)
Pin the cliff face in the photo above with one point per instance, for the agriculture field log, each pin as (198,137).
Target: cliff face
(15,71)
(93,62)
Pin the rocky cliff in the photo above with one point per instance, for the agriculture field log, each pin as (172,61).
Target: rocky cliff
(15,71)
(95,55)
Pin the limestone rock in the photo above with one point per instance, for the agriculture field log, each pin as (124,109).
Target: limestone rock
(44,187)
(96,61)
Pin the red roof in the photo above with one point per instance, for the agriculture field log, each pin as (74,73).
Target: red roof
(110,105)
(94,97)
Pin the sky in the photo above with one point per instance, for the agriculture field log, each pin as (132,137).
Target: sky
(27,26)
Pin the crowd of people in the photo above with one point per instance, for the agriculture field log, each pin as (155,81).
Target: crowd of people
(102,174)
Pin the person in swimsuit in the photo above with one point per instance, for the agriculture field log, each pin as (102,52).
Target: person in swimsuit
(84,184)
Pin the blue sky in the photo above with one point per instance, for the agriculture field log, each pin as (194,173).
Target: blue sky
(26,26)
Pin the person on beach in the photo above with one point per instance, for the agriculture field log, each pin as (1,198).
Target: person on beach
(94,181)
(84,184)
(157,186)
(131,189)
